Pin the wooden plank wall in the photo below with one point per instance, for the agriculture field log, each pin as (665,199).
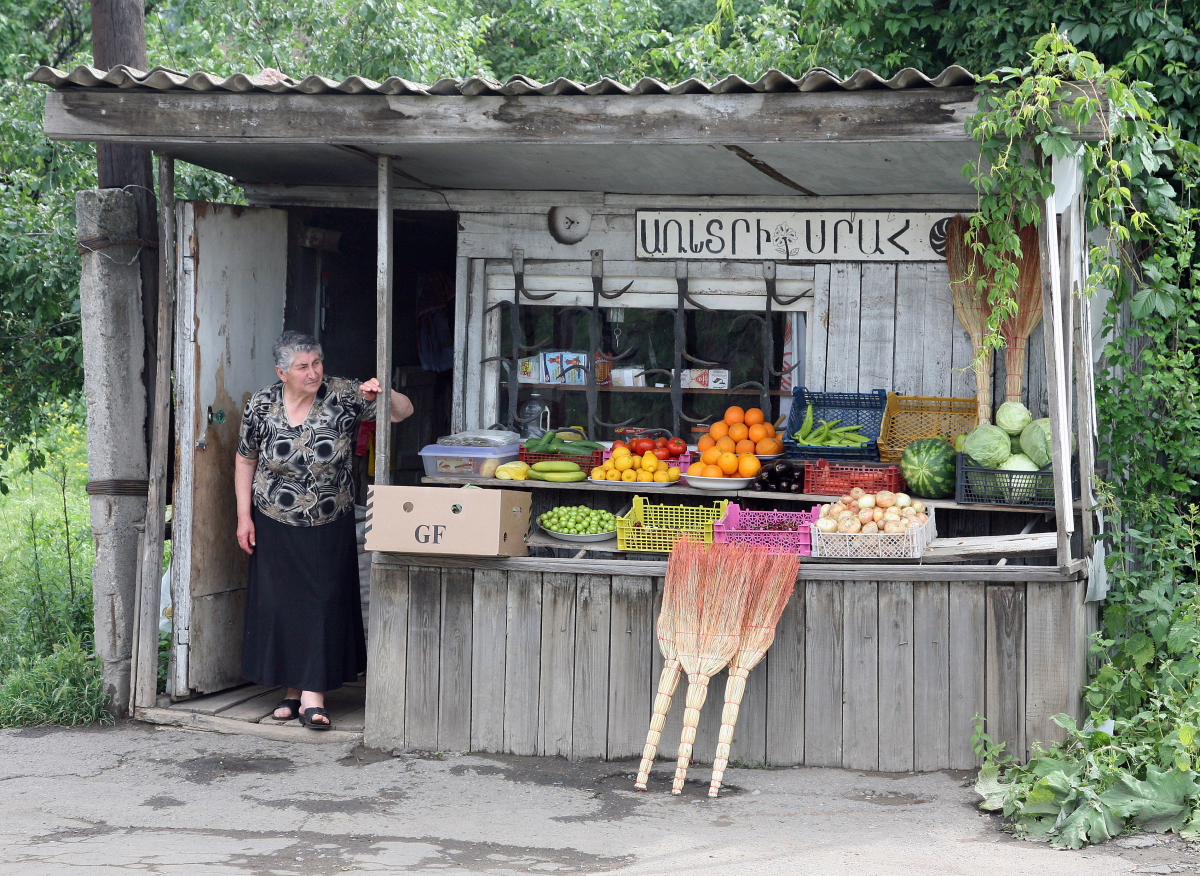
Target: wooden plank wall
(875,675)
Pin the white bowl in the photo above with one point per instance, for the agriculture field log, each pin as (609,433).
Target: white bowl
(769,456)
(566,536)
(717,483)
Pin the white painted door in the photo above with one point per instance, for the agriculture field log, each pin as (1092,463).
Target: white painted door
(232,274)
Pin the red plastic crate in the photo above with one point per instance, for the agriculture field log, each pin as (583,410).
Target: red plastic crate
(825,478)
(587,463)
(742,526)
(683,461)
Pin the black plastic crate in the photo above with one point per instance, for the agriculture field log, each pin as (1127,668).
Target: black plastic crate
(851,408)
(977,485)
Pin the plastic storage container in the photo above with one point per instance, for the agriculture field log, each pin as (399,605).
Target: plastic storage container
(909,418)
(780,532)
(977,485)
(825,478)
(907,545)
(443,461)
(851,408)
(648,527)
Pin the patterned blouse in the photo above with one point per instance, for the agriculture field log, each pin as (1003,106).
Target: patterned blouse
(304,475)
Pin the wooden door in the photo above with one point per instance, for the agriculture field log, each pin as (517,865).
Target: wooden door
(232,275)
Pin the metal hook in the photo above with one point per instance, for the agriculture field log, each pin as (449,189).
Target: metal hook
(518,267)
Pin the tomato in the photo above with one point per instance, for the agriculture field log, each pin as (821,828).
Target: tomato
(660,442)
(677,446)
(642,446)
(617,444)
(661,453)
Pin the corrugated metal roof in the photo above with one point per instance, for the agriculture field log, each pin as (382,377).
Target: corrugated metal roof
(773,81)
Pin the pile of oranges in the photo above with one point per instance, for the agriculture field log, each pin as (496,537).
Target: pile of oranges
(732,446)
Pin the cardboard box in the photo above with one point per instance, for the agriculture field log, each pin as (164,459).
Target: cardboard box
(530,370)
(626,376)
(576,376)
(445,520)
(705,378)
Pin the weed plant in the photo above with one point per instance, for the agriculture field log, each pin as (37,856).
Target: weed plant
(48,671)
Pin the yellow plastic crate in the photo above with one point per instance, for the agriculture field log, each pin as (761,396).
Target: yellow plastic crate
(909,418)
(656,528)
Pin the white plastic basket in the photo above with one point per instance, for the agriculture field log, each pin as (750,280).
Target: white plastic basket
(907,545)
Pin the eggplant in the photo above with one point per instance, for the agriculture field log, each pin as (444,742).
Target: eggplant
(763,477)
(783,484)
(758,486)
(797,486)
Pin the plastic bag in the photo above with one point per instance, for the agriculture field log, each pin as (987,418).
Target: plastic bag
(481,438)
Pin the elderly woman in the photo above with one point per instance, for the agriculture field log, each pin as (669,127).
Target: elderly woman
(295,508)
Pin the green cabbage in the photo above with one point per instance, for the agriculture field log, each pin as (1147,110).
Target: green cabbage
(1014,444)
(1035,442)
(1019,488)
(1012,417)
(988,445)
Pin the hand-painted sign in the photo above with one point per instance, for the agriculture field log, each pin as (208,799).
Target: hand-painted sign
(801,235)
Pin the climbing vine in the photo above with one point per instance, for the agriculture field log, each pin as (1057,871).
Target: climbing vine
(1133,763)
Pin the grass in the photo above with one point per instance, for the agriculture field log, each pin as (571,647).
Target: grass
(48,671)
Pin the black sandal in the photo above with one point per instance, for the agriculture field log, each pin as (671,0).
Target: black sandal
(292,706)
(306,718)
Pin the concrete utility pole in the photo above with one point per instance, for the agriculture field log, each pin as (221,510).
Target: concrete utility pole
(118,233)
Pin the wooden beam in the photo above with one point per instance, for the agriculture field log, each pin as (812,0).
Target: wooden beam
(385,223)
(181,117)
(144,684)
(1056,369)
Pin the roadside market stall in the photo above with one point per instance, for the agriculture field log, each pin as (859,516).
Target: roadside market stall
(611,258)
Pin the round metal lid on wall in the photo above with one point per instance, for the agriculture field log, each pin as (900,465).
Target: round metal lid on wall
(569,224)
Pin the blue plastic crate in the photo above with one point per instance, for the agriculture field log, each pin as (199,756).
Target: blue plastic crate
(852,408)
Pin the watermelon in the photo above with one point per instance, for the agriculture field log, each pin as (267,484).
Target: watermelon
(928,468)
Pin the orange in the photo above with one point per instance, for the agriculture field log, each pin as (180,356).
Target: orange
(748,465)
(756,433)
(739,431)
(726,444)
(754,416)
(710,456)
(744,446)
(734,414)
(712,471)
(770,427)
(766,447)
(705,442)
(718,430)
(728,463)
(696,469)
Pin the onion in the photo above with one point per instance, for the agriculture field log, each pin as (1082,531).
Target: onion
(885,498)
(893,526)
(903,500)
(891,514)
(909,512)
(849,524)
(866,515)
(836,509)
(870,528)
(827,524)
(876,513)
(866,501)
(847,499)
(922,517)
(824,510)
(918,505)
(857,493)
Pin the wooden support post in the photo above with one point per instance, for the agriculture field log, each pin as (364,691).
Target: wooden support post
(145,657)
(383,328)
(1056,369)
(1085,390)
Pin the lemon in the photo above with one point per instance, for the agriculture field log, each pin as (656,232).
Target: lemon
(629,475)
(623,463)
(613,475)
(598,473)
(661,477)
(673,474)
(644,477)
(662,465)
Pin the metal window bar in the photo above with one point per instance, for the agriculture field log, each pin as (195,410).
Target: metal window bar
(518,348)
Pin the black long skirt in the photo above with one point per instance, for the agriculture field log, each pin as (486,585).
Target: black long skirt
(303,610)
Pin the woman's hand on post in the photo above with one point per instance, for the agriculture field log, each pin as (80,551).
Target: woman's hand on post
(371,389)
(246,535)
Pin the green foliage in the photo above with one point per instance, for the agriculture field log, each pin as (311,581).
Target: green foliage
(63,688)
(1133,764)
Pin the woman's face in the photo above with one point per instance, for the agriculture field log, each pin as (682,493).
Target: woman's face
(305,374)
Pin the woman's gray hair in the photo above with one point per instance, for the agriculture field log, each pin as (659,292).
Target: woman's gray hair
(289,344)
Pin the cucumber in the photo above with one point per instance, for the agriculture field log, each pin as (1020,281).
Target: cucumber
(557,477)
(556,466)
(568,449)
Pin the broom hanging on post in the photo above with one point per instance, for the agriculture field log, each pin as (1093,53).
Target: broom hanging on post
(708,630)
(971,307)
(686,562)
(1020,326)
(767,600)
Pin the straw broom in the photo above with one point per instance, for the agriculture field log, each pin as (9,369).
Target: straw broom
(708,631)
(758,633)
(970,305)
(686,562)
(1019,327)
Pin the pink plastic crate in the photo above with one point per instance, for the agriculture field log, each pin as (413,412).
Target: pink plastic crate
(754,527)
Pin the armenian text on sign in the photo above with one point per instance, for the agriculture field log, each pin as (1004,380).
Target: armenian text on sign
(802,235)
